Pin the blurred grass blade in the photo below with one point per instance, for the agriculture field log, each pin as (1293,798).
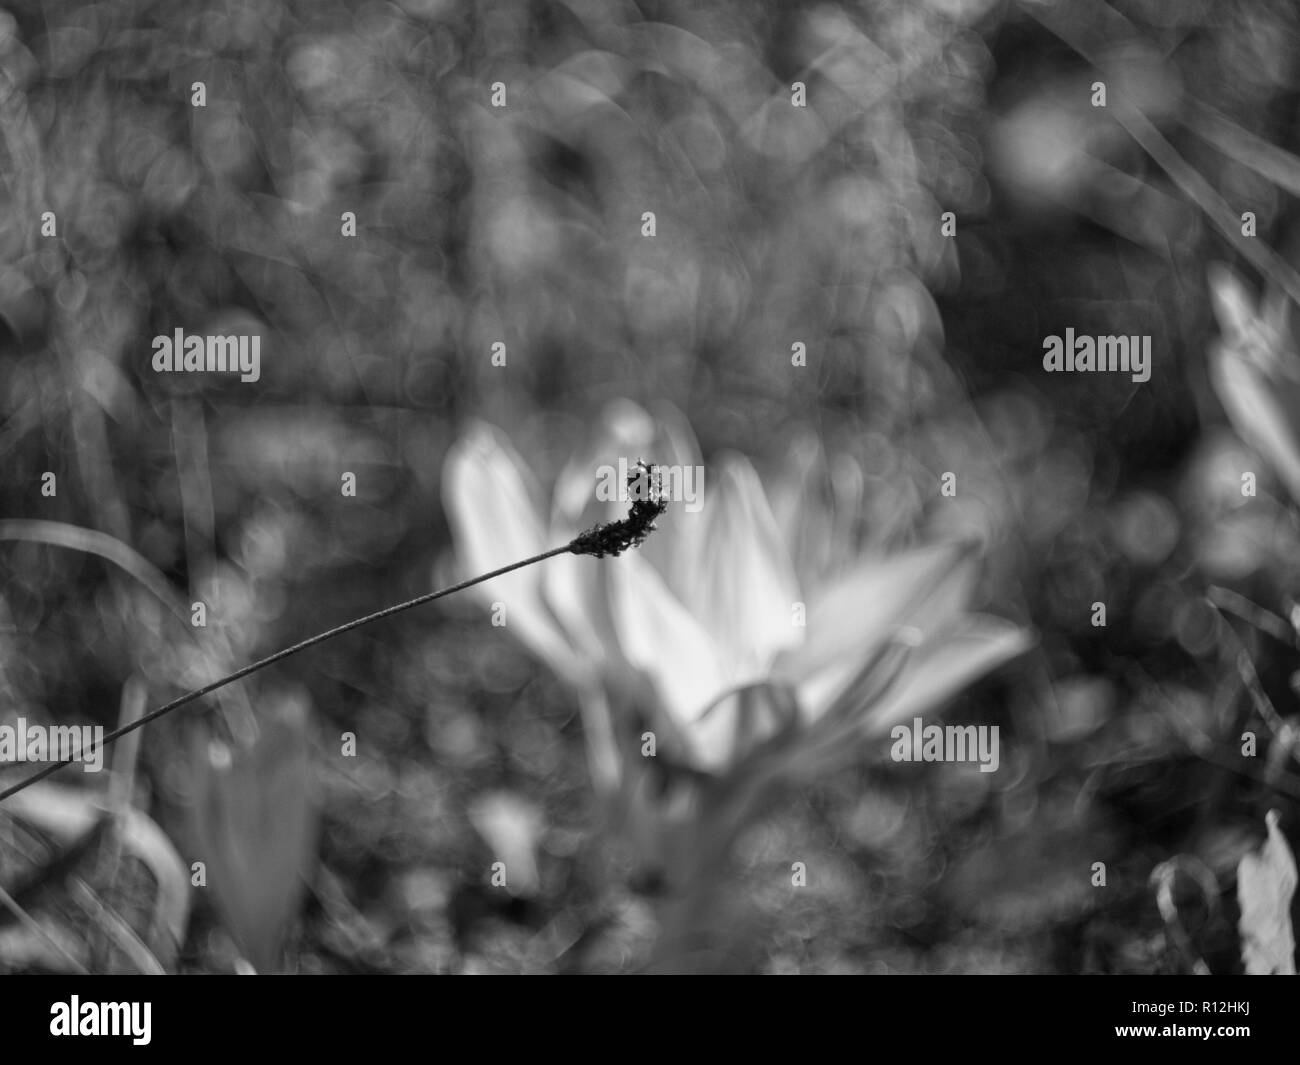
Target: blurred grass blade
(255,818)
(1253,372)
(1240,145)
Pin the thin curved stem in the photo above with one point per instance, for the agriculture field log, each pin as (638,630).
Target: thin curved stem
(600,541)
(262,663)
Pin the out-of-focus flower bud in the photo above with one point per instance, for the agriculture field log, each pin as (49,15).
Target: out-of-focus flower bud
(256,821)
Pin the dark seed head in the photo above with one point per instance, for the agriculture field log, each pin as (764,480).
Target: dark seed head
(615,537)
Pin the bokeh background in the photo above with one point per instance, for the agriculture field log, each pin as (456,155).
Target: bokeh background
(523,225)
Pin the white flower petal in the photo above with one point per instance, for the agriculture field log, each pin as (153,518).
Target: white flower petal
(819,690)
(572,588)
(848,621)
(659,637)
(624,430)
(744,583)
(946,664)
(495,522)
(738,722)
(674,548)
(800,503)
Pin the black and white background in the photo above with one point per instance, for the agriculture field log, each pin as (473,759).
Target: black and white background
(955,649)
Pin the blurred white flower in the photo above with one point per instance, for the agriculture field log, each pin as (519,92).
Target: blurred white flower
(712,628)
(512,827)
(1256,373)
